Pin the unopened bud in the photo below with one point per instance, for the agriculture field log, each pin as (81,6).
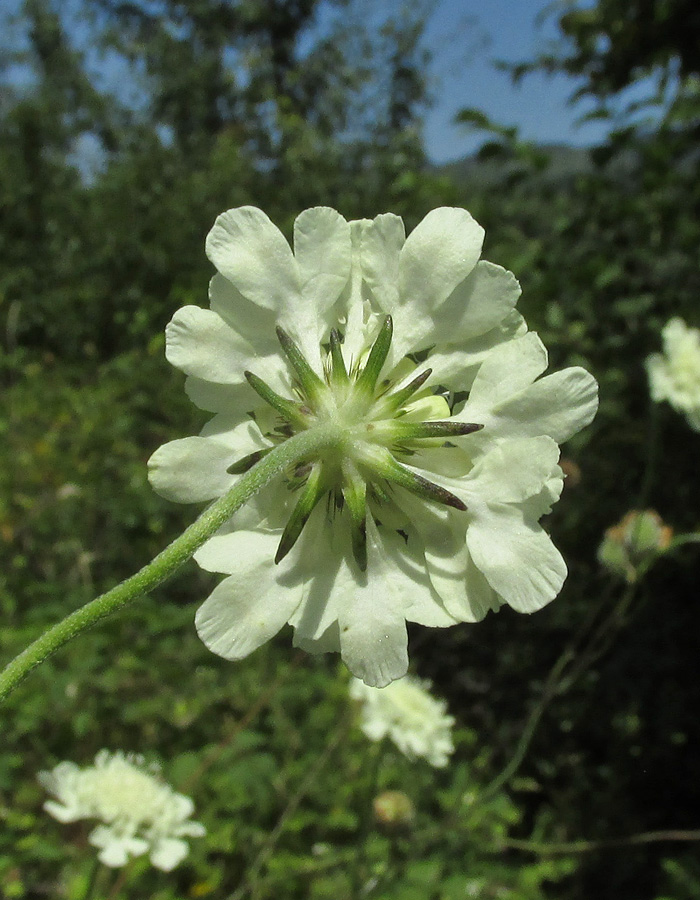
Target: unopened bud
(394,810)
(632,542)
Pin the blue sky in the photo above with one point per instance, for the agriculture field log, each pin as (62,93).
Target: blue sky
(465,37)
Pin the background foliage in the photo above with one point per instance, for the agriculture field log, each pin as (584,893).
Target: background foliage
(108,186)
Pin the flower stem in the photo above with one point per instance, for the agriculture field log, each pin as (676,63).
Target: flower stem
(358,874)
(278,460)
(91,880)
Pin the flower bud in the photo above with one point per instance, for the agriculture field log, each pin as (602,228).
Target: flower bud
(631,543)
(393,810)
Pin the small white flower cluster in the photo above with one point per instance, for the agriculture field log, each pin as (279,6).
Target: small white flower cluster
(407,713)
(675,374)
(139,812)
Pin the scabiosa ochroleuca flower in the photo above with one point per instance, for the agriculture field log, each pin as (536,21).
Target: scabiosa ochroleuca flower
(139,813)
(406,712)
(426,507)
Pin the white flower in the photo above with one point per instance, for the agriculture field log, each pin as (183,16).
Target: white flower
(675,375)
(406,712)
(139,812)
(427,508)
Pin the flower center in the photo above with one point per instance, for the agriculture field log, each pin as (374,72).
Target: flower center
(376,421)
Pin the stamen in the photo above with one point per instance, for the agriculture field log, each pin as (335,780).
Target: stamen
(286,408)
(311,493)
(377,357)
(311,384)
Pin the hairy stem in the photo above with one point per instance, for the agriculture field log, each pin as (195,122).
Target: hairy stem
(278,460)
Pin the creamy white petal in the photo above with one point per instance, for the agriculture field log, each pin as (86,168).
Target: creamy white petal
(228,399)
(252,322)
(506,370)
(511,472)
(438,254)
(373,641)
(321,551)
(558,405)
(247,609)
(457,365)
(373,637)
(168,853)
(381,244)
(517,557)
(115,848)
(406,560)
(478,304)
(64,813)
(192,469)
(476,597)
(323,252)
(242,437)
(251,252)
(328,642)
(200,343)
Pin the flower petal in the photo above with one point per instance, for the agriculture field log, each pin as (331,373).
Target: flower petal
(253,323)
(438,254)
(458,364)
(168,853)
(248,608)
(373,637)
(505,371)
(558,405)
(228,399)
(323,252)
(478,304)
(381,244)
(191,469)
(253,253)
(517,557)
(200,343)
(512,471)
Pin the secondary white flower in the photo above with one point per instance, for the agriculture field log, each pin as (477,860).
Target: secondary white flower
(138,811)
(675,375)
(427,508)
(407,713)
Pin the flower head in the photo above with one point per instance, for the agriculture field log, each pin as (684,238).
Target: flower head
(138,812)
(426,507)
(407,713)
(675,374)
(631,544)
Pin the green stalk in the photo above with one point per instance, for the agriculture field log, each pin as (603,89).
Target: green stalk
(278,460)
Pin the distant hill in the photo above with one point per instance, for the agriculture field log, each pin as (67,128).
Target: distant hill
(560,162)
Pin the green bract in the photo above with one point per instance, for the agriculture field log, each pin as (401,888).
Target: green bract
(425,505)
